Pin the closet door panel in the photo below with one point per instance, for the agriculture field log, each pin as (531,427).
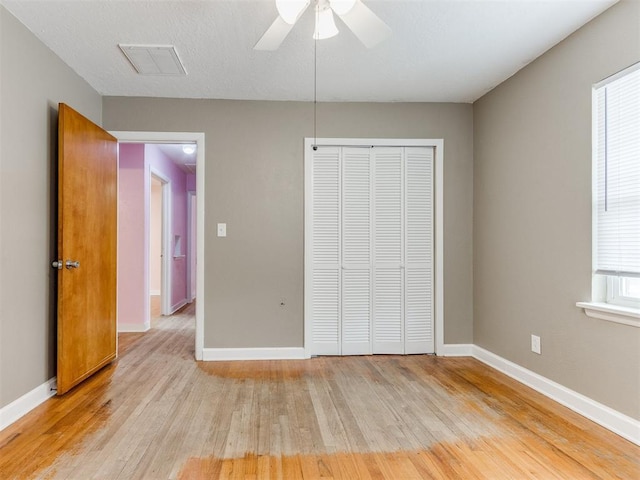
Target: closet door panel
(356,251)
(419,335)
(418,311)
(325,254)
(388,234)
(388,323)
(326,312)
(356,316)
(388,337)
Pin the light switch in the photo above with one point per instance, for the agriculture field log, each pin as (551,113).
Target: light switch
(222,229)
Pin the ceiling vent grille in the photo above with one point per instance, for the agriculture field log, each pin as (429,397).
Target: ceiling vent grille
(154,59)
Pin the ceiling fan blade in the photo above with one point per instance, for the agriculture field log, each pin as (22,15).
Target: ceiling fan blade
(366,25)
(274,36)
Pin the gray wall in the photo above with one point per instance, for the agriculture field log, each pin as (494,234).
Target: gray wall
(32,82)
(532,216)
(254,182)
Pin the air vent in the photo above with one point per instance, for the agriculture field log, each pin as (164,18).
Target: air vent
(190,168)
(154,59)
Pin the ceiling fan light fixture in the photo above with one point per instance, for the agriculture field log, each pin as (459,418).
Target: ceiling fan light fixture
(325,25)
(342,7)
(290,10)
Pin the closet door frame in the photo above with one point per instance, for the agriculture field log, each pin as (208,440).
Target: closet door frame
(438,234)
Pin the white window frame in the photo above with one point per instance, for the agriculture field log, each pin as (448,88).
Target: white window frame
(616,292)
(608,299)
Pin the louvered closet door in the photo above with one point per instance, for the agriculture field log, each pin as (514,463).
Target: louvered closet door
(371,284)
(418,271)
(356,251)
(325,255)
(388,242)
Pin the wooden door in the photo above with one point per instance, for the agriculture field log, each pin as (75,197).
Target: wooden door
(87,234)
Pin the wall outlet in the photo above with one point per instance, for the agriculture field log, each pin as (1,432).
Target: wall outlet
(535,344)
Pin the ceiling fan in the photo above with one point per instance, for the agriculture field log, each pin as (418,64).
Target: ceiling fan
(365,24)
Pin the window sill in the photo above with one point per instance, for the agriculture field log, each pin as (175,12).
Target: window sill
(612,313)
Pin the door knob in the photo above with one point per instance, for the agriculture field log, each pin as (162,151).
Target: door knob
(57,264)
(71,264)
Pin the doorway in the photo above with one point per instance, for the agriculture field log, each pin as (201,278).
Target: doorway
(159,271)
(142,138)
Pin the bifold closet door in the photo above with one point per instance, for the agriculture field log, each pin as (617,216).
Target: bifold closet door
(370,252)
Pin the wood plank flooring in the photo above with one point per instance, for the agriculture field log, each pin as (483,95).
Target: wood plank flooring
(158,414)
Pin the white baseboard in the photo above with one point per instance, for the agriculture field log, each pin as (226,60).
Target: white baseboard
(178,306)
(23,405)
(155,293)
(609,418)
(456,350)
(133,327)
(277,353)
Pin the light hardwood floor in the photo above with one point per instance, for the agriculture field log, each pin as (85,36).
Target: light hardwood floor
(156,414)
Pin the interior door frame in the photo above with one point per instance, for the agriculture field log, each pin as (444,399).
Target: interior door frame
(166,222)
(190,252)
(198,139)
(438,237)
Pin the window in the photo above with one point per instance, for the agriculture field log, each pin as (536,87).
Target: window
(616,215)
(623,291)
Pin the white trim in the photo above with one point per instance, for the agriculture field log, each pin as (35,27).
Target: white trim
(190,293)
(308,225)
(439,243)
(374,142)
(613,313)
(438,273)
(27,402)
(165,244)
(154,293)
(616,293)
(617,75)
(185,137)
(276,353)
(456,350)
(623,425)
(178,306)
(133,327)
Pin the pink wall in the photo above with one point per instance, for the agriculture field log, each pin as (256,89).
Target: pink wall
(159,162)
(133,312)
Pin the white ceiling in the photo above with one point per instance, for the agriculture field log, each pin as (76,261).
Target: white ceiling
(439,51)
